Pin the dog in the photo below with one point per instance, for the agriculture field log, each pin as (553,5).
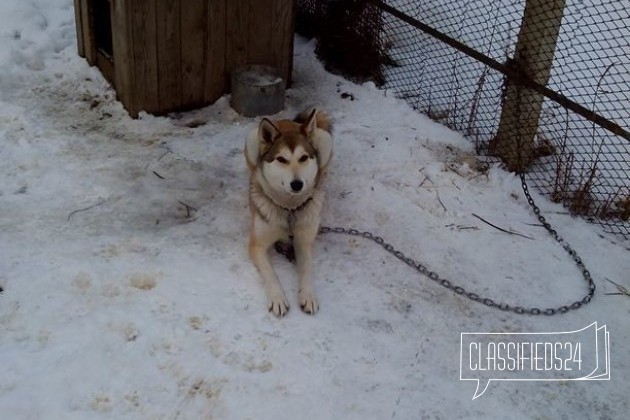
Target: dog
(287,161)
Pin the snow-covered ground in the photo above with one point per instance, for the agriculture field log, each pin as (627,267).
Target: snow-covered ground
(120,303)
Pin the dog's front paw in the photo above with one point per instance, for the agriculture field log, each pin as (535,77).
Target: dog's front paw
(308,301)
(278,304)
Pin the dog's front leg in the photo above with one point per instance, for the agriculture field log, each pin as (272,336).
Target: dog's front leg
(303,245)
(277,301)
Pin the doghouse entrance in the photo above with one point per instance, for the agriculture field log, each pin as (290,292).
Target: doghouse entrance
(102,24)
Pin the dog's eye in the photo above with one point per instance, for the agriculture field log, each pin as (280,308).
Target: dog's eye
(281,159)
(304,158)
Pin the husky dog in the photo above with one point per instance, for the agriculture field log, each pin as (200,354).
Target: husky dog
(287,160)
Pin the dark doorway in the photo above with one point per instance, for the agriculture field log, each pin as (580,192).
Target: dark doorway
(101,13)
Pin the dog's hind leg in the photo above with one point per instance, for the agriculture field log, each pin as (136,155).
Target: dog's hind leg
(277,301)
(286,249)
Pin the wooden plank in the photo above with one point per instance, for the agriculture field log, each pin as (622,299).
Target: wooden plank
(79,25)
(193,42)
(145,55)
(87,24)
(237,35)
(106,65)
(282,37)
(216,80)
(260,49)
(122,43)
(169,54)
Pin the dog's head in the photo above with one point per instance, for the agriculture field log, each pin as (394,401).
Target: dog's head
(290,154)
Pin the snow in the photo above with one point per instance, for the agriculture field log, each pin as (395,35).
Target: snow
(128,292)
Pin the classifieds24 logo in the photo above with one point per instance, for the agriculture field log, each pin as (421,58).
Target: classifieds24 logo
(554,356)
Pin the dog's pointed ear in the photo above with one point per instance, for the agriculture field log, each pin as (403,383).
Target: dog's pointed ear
(259,140)
(308,127)
(267,132)
(252,148)
(323,144)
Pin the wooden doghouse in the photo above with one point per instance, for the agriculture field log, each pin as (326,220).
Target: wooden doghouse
(167,55)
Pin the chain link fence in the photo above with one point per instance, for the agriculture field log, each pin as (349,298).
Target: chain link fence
(544,85)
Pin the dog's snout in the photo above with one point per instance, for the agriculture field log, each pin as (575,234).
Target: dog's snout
(296,185)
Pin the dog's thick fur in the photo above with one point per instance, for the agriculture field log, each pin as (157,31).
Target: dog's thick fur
(287,162)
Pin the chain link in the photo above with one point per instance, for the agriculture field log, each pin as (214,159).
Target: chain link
(418,266)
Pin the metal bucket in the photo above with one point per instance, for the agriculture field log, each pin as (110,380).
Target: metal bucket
(257,90)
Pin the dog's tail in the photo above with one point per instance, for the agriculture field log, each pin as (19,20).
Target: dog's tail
(323,122)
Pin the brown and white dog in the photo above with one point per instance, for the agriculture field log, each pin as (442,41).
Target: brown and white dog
(287,160)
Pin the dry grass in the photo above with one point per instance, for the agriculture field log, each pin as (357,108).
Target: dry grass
(581,202)
(616,206)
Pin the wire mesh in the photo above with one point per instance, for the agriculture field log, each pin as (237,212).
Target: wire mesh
(575,48)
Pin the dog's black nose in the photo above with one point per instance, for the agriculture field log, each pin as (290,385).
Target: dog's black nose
(296,185)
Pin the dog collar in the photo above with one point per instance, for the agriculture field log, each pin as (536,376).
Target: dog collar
(292,212)
(257,192)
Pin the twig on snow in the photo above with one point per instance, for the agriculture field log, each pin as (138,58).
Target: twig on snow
(461,227)
(622,290)
(440,201)
(501,229)
(84,209)
(426,178)
(187,207)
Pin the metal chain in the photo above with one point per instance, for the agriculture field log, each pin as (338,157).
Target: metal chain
(422,269)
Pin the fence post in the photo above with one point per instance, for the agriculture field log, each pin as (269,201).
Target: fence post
(533,59)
